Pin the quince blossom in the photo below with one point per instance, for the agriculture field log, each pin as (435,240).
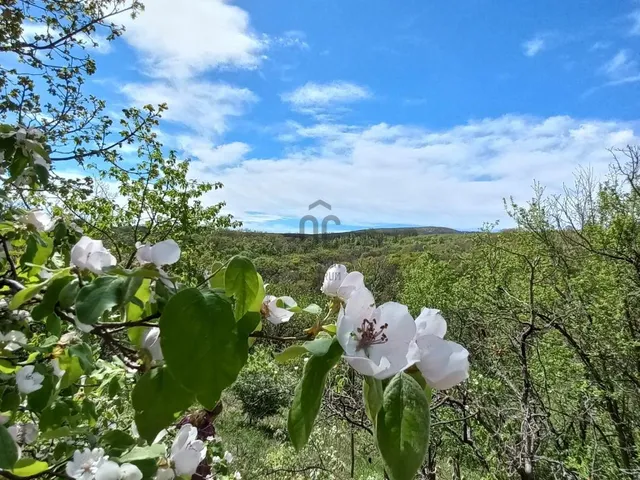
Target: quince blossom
(91,255)
(338,283)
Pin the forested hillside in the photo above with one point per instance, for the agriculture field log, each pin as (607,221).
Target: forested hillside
(549,312)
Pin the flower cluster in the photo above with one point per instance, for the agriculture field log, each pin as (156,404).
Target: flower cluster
(384,340)
(94,464)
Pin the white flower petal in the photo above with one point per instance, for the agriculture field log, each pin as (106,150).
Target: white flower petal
(166,252)
(444,364)
(368,367)
(108,471)
(143,254)
(352,282)
(334,276)
(431,322)
(151,342)
(185,437)
(277,315)
(129,471)
(28,380)
(165,474)
(14,340)
(186,461)
(57,371)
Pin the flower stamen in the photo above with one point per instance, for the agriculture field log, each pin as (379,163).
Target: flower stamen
(371,334)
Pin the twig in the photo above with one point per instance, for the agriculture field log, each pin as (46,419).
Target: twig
(12,266)
(280,339)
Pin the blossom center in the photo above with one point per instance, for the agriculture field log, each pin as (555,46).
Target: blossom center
(371,334)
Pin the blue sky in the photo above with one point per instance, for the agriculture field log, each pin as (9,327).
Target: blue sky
(396,113)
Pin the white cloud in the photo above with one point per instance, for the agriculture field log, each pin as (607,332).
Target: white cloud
(534,46)
(211,156)
(315,98)
(634,18)
(621,68)
(396,174)
(203,106)
(289,39)
(179,40)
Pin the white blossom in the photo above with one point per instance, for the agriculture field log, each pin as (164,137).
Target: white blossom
(228,457)
(237,476)
(275,314)
(165,473)
(68,338)
(21,134)
(151,342)
(13,340)
(162,253)
(216,460)
(28,380)
(38,219)
(377,342)
(109,470)
(91,255)
(338,283)
(85,464)
(129,471)
(187,452)
(57,371)
(443,364)
(35,133)
(39,160)
(24,433)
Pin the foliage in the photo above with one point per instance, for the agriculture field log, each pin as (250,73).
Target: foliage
(262,387)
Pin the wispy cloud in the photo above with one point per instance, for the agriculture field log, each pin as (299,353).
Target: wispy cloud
(316,98)
(634,19)
(621,68)
(203,106)
(534,46)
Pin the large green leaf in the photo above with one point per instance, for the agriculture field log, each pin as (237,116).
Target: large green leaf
(26,467)
(402,427)
(117,442)
(372,393)
(50,298)
(202,343)
(69,293)
(103,294)
(8,450)
(290,353)
(156,399)
(26,294)
(242,282)
(144,453)
(308,395)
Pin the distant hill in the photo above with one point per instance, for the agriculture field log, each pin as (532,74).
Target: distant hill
(400,231)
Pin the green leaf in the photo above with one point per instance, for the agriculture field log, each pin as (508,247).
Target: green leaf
(256,306)
(50,298)
(372,393)
(144,453)
(67,297)
(402,429)
(83,353)
(40,399)
(10,400)
(308,395)
(319,345)
(56,433)
(8,450)
(26,467)
(217,281)
(54,325)
(54,415)
(313,309)
(117,441)
(157,397)
(202,343)
(241,281)
(102,295)
(7,367)
(290,353)
(134,311)
(330,328)
(26,294)
(73,369)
